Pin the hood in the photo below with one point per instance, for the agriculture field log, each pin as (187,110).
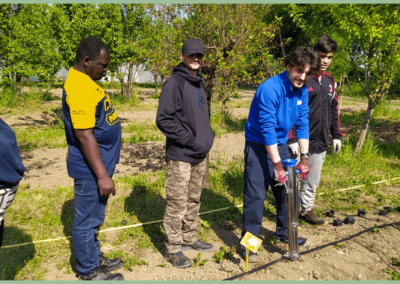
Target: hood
(182,70)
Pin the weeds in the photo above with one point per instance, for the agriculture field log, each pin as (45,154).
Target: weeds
(13,97)
(393,274)
(198,261)
(128,260)
(223,254)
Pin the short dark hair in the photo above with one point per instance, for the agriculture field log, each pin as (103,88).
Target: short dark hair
(90,46)
(302,56)
(325,44)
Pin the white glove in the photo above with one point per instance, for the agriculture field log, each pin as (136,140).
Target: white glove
(337,145)
(295,148)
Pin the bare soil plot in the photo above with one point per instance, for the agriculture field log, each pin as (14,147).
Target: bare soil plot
(365,257)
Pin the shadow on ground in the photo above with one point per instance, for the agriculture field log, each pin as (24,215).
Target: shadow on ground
(67,219)
(13,260)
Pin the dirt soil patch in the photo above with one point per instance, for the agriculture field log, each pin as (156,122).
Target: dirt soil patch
(46,168)
(364,257)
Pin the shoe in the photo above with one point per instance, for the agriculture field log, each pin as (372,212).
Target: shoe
(178,259)
(199,246)
(109,264)
(253,256)
(313,219)
(282,241)
(102,274)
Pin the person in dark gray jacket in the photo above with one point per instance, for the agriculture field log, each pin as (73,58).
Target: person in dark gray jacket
(183,117)
(11,170)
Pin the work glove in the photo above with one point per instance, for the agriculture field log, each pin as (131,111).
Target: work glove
(295,148)
(303,167)
(279,173)
(337,145)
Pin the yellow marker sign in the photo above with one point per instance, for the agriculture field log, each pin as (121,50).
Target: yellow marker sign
(251,242)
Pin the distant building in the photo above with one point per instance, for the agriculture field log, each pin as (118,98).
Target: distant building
(142,77)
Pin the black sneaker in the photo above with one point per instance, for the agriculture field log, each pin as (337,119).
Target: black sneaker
(313,219)
(109,264)
(253,256)
(102,274)
(178,259)
(281,241)
(199,246)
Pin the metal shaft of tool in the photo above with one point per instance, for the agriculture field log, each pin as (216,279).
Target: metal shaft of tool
(292,207)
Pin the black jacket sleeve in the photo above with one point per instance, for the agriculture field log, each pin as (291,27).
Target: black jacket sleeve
(166,119)
(335,121)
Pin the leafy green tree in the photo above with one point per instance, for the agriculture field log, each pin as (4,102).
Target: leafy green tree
(231,34)
(369,36)
(130,54)
(163,41)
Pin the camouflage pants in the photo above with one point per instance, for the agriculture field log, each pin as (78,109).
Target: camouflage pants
(184,183)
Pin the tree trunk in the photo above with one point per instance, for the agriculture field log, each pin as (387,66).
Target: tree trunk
(155,84)
(123,92)
(130,81)
(348,84)
(208,85)
(341,87)
(281,43)
(223,107)
(112,81)
(371,106)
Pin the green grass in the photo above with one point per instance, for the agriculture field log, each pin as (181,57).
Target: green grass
(230,125)
(142,131)
(11,98)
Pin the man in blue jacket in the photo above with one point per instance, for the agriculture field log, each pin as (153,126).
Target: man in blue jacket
(11,170)
(183,117)
(324,118)
(279,103)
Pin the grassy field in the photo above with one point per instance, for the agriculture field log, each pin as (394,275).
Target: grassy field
(41,214)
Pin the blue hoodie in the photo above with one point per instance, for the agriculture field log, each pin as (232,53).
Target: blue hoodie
(11,167)
(275,109)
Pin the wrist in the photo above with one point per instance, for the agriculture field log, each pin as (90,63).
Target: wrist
(278,165)
(305,155)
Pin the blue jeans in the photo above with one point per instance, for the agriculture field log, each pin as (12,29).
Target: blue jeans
(258,176)
(90,210)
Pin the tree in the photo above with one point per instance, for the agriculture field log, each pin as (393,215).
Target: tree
(130,54)
(163,42)
(369,34)
(231,33)
(73,22)
(33,49)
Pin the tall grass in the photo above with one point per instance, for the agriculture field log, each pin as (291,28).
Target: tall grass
(12,97)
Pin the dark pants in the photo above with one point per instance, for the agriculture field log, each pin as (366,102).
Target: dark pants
(258,176)
(90,210)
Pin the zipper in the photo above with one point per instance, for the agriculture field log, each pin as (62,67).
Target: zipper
(198,100)
(319,95)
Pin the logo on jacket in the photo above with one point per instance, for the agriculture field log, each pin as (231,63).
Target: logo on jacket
(310,89)
(330,88)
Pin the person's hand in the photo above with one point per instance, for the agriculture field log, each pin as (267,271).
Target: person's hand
(106,186)
(279,173)
(337,145)
(295,148)
(303,167)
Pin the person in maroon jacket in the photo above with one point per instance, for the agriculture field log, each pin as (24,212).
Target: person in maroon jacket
(324,118)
